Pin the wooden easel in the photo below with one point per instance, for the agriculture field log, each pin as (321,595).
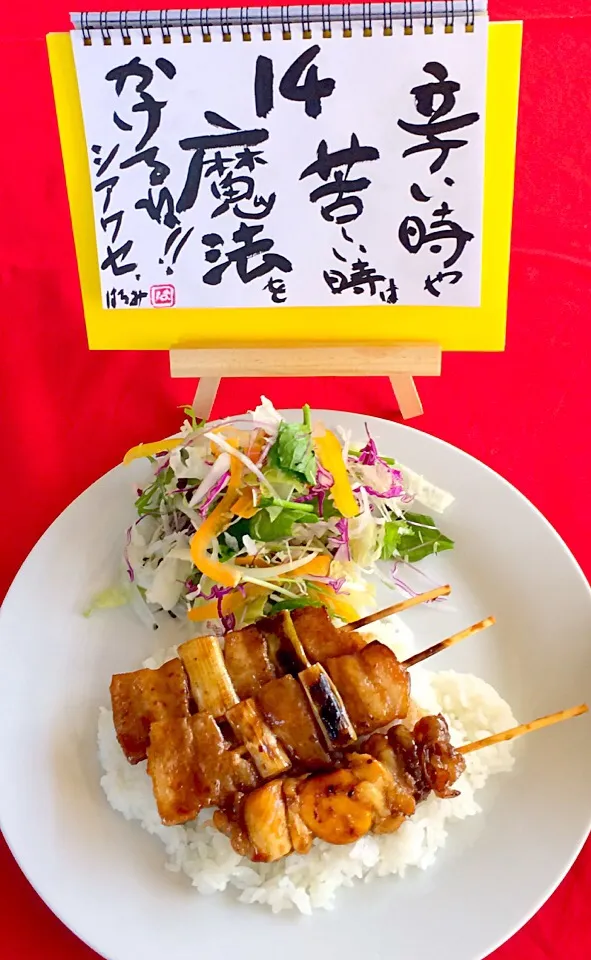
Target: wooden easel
(401,362)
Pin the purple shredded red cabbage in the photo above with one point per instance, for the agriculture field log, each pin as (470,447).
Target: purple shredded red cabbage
(324,481)
(218,485)
(396,488)
(228,620)
(130,570)
(216,593)
(128,566)
(184,489)
(324,478)
(165,463)
(369,454)
(405,588)
(340,543)
(337,584)
(369,457)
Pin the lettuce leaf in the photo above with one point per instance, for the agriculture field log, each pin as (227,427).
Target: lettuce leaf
(117,596)
(407,542)
(268,526)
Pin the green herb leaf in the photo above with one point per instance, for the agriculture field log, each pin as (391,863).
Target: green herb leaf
(329,510)
(268,526)
(286,485)
(292,452)
(405,540)
(190,414)
(238,530)
(295,604)
(151,497)
(184,455)
(287,505)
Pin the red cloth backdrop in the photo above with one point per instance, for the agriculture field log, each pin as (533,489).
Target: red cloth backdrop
(68,415)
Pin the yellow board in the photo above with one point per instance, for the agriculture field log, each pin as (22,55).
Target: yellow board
(455,328)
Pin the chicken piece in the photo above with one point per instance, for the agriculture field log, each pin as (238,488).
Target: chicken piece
(247,660)
(286,710)
(283,643)
(406,754)
(374,686)
(441,764)
(427,756)
(221,772)
(403,785)
(258,828)
(265,819)
(300,835)
(319,636)
(171,765)
(250,728)
(338,807)
(192,767)
(327,706)
(143,697)
(342,806)
(233,828)
(210,682)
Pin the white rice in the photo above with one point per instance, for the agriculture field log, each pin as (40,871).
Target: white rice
(473,710)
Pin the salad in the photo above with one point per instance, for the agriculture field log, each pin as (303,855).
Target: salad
(246,516)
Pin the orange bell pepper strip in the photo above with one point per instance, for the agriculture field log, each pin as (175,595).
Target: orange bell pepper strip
(335,604)
(256,446)
(150,449)
(231,603)
(245,506)
(316,567)
(330,454)
(212,526)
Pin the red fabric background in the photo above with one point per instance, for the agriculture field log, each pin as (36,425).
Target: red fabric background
(67,415)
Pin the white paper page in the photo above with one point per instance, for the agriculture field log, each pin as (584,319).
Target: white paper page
(347,188)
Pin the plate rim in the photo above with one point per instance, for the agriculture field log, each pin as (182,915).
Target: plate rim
(288,413)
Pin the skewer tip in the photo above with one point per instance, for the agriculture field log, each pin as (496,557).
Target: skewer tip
(442,591)
(450,642)
(548,721)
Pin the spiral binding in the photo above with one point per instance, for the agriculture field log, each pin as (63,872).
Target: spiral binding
(386,18)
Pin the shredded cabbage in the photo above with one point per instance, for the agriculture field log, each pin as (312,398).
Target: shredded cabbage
(284,493)
(117,596)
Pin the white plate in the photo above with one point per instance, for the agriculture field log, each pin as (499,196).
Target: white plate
(103,876)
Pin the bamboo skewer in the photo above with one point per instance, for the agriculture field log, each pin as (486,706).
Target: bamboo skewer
(444,644)
(399,607)
(547,721)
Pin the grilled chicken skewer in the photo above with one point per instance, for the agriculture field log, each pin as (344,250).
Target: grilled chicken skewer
(291,724)
(252,657)
(269,650)
(373,791)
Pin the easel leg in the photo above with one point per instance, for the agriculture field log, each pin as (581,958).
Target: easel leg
(407,395)
(205,395)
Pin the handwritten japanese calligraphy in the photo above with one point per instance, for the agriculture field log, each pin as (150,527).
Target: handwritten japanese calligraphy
(436,99)
(271,174)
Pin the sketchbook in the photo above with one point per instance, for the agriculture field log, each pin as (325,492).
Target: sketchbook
(291,175)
